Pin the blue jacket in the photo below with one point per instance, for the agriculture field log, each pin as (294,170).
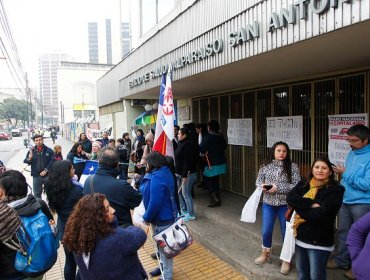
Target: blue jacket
(47,160)
(121,196)
(155,188)
(356,178)
(115,256)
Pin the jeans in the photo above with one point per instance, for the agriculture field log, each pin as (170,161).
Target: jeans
(311,263)
(167,264)
(123,169)
(186,200)
(348,214)
(37,181)
(269,214)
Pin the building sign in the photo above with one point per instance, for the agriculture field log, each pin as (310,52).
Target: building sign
(240,132)
(286,129)
(338,126)
(275,21)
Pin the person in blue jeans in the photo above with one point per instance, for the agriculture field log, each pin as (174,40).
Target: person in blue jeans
(356,200)
(316,202)
(186,171)
(157,187)
(277,176)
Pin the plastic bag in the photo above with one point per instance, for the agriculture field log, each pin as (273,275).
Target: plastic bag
(250,208)
(288,249)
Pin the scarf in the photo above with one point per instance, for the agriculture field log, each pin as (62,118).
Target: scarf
(314,187)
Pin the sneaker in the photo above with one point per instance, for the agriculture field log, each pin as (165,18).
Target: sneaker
(181,214)
(189,217)
(155,272)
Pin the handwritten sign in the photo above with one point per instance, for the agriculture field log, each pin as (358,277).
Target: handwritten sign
(286,129)
(338,148)
(239,132)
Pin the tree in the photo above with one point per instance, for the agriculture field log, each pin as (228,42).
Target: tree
(15,109)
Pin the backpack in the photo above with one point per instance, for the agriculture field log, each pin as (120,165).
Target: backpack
(39,243)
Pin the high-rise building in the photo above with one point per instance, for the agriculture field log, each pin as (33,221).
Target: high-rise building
(108,40)
(93,42)
(125,38)
(48,64)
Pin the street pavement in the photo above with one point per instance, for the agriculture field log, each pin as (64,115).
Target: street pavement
(196,262)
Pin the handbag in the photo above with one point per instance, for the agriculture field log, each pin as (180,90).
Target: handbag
(249,211)
(176,237)
(288,249)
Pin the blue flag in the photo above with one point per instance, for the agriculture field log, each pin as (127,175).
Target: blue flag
(90,168)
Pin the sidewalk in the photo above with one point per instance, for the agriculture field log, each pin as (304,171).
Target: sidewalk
(196,262)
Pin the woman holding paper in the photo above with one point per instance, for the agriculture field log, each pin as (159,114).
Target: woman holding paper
(277,176)
(316,202)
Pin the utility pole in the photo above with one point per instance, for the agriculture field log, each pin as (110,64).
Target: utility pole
(28,98)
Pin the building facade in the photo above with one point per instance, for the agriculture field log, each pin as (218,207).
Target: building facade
(93,42)
(48,64)
(77,90)
(254,60)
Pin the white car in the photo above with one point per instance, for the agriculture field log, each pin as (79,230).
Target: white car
(16,132)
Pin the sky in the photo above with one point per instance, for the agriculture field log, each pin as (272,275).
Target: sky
(44,26)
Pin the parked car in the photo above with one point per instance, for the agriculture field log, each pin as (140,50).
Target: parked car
(16,132)
(4,135)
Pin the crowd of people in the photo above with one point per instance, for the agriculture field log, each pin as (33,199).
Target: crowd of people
(94,218)
(317,201)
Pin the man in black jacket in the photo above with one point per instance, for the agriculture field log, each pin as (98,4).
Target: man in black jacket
(40,157)
(121,196)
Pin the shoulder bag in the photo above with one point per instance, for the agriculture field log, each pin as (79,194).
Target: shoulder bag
(176,237)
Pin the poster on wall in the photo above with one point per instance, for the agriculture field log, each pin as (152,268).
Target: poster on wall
(287,129)
(239,132)
(338,147)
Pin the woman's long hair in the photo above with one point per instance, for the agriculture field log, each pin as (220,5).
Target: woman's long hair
(87,222)
(287,162)
(58,184)
(74,148)
(332,180)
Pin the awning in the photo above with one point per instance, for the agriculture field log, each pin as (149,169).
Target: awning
(148,117)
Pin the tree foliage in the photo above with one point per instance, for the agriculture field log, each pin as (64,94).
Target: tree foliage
(14,109)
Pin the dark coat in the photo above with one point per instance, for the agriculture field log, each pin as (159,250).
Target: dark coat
(7,255)
(47,157)
(318,229)
(186,156)
(78,166)
(214,144)
(121,196)
(71,199)
(115,256)
(86,145)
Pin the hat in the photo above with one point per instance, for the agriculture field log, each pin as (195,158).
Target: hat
(9,224)
(149,136)
(97,143)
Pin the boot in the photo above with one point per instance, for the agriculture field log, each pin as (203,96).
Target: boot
(285,268)
(215,202)
(218,197)
(265,257)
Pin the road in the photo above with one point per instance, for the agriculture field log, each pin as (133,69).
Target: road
(8,148)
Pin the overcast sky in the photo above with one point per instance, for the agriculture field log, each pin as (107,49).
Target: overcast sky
(43,26)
